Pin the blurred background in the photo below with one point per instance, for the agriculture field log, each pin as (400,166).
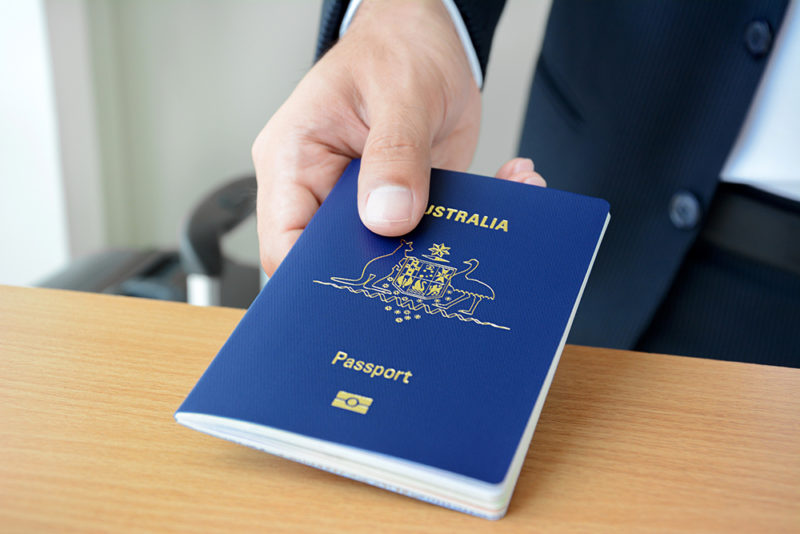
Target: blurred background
(118,116)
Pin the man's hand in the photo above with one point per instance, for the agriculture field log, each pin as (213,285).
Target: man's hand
(396,91)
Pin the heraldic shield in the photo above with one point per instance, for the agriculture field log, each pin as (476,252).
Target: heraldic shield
(422,279)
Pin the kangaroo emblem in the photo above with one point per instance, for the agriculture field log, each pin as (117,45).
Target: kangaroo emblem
(374,272)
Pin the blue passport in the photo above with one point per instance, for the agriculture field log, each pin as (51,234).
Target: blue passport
(418,364)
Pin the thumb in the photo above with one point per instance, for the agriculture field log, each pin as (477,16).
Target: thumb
(395,171)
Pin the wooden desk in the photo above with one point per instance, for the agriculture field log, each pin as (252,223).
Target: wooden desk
(627,441)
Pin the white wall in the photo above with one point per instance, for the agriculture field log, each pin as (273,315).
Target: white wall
(183,89)
(505,94)
(33,237)
(73,84)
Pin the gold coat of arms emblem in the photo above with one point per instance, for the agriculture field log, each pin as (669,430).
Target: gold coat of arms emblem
(411,285)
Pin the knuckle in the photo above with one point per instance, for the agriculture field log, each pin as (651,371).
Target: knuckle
(395,146)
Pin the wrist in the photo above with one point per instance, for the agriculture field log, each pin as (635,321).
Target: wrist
(395,13)
(458,22)
(434,26)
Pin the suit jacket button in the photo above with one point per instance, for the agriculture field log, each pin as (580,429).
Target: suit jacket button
(758,38)
(684,210)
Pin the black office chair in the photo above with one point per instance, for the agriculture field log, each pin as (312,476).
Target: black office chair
(197,273)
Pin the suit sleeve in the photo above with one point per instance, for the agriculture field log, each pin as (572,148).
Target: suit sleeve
(480,17)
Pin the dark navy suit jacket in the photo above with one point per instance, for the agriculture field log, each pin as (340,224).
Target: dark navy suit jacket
(639,103)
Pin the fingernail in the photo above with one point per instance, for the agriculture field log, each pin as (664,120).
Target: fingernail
(522,165)
(535,180)
(389,204)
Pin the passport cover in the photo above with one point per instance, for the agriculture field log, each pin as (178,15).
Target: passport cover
(436,348)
